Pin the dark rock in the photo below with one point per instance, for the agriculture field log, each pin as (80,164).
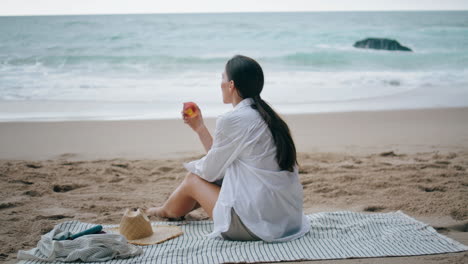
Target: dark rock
(380,44)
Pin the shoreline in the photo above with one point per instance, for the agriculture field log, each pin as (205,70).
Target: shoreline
(349,132)
(68,111)
(213,117)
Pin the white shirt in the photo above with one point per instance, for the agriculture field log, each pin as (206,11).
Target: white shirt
(269,201)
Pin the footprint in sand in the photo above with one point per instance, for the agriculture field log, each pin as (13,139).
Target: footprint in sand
(462,227)
(388,154)
(164,178)
(114,170)
(306,182)
(433,188)
(374,208)
(34,166)
(67,187)
(420,160)
(385,163)
(323,190)
(348,167)
(306,169)
(70,163)
(432,166)
(7,205)
(120,165)
(32,193)
(21,181)
(115,180)
(347,178)
(166,169)
(391,154)
(52,217)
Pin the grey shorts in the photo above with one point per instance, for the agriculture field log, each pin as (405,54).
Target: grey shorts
(238,231)
(219,182)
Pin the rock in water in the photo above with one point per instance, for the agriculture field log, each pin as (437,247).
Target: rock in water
(380,43)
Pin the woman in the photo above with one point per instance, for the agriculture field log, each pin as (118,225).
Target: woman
(253,158)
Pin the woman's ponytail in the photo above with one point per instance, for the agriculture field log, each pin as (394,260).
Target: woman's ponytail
(285,148)
(248,79)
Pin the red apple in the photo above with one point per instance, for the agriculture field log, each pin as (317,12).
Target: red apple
(190,109)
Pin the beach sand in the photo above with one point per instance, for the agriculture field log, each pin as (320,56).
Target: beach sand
(415,161)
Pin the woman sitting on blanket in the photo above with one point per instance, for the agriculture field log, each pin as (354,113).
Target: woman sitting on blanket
(248,181)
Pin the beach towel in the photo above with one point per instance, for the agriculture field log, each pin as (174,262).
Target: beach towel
(333,235)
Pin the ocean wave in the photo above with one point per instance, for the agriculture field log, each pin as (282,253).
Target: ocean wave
(358,59)
(301,86)
(54,60)
(79,23)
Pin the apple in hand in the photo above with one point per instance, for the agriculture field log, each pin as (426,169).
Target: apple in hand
(190,109)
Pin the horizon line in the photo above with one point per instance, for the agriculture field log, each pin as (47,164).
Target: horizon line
(232,12)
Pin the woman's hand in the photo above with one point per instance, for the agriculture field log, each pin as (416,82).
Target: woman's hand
(196,122)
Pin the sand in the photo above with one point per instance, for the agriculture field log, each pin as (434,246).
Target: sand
(415,161)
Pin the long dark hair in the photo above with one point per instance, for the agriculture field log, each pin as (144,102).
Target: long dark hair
(248,79)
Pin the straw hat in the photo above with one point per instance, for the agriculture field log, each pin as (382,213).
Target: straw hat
(136,227)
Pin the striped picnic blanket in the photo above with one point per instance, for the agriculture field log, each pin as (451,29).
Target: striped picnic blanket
(333,235)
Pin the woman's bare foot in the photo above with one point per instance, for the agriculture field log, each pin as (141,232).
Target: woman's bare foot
(154,211)
(159,212)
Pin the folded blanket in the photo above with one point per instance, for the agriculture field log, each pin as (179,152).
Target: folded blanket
(333,235)
(89,248)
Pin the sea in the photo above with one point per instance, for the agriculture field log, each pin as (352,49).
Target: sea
(145,66)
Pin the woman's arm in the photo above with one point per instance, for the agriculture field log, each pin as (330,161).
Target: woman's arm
(229,140)
(205,137)
(197,124)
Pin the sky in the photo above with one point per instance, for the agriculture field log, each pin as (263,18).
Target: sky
(64,7)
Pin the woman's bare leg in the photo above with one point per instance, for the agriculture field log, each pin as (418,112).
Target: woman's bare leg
(192,191)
